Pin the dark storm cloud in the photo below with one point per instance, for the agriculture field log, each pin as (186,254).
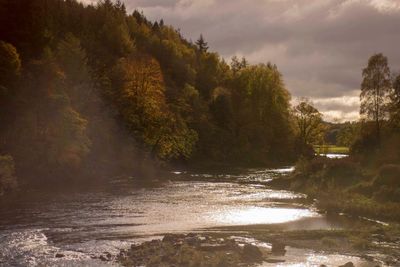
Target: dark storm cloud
(320,46)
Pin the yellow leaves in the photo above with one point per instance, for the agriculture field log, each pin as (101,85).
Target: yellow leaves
(141,101)
(142,83)
(10,66)
(219,91)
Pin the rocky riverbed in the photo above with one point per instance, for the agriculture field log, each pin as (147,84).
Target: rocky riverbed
(198,250)
(206,250)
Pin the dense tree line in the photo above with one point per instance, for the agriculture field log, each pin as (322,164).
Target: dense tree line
(94,90)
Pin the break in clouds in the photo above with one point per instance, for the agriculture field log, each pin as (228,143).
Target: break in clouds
(320,46)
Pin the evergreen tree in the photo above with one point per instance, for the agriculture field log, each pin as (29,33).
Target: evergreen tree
(201,44)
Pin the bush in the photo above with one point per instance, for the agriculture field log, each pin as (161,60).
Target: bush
(364,188)
(388,193)
(389,175)
(329,242)
(343,172)
(306,166)
(8,180)
(360,243)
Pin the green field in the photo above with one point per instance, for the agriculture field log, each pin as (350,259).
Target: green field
(331,149)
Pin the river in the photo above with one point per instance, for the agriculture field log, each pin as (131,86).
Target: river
(83,225)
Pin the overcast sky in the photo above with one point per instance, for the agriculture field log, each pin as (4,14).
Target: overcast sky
(320,46)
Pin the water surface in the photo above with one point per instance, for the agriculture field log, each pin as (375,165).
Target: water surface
(84,225)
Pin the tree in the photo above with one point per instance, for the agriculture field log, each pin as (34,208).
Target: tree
(201,44)
(348,134)
(209,74)
(237,65)
(140,98)
(261,113)
(395,103)
(72,58)
(309,123)
(375,89)
(55,132)
(10,66)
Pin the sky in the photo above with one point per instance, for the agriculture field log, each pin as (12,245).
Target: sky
(320,46)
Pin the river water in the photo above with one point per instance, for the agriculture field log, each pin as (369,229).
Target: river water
(84,225)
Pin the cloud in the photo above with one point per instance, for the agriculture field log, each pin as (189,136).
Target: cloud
(320,46)
(343,108)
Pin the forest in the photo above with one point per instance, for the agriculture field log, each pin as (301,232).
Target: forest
(92,91)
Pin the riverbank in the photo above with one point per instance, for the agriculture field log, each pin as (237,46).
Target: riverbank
(344,186)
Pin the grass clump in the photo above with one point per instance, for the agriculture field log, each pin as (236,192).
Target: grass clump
(329,242)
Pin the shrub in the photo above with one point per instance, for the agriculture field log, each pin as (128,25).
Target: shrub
(343,172)
(364,188)
(389,175)
(329,242)
(359,243)
(388,193)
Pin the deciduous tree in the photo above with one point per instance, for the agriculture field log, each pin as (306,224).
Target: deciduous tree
(375,89)
(309,123)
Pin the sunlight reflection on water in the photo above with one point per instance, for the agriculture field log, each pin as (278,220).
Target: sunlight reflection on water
(334,156)
(260,215)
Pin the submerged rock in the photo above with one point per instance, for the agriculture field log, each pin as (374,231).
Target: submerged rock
(59,255)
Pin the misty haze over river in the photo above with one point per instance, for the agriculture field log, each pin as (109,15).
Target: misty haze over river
(84,225)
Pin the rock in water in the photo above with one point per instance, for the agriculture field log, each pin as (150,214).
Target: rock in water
(59,255)
(103,258)
(278,248)
(252,253)
(349,264)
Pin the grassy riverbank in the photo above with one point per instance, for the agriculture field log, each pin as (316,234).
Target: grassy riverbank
(344,186)
(331,149)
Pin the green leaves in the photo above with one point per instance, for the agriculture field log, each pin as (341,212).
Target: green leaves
(375,90)
(309,123)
